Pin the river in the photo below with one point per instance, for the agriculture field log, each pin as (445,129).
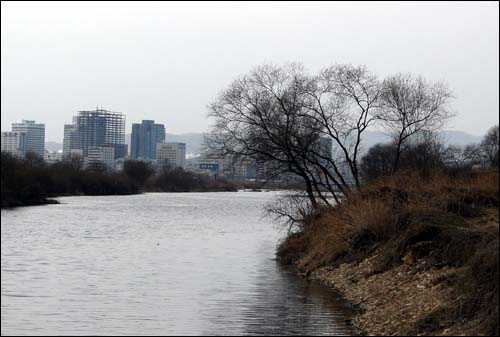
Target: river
(155,264)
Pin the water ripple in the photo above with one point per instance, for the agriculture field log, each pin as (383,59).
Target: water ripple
(155,264)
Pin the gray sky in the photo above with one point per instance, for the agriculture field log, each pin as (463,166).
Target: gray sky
(166,61)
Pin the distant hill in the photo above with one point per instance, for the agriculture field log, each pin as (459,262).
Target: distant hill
(194,141)
(53,146)
(459,137)
(448,136)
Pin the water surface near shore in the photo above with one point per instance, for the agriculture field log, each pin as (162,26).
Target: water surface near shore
(155,264)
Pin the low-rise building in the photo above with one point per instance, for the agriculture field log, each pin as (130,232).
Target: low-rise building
(101,156)
(210,166)
(171,154)
(52,157)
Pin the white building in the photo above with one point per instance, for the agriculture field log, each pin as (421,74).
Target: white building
(101,155)
(14,143)
(171,154)
(52,157)
(35,136)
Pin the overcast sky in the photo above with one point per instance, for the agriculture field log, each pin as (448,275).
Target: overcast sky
(166,61)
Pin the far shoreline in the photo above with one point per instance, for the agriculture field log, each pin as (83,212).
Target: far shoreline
(52,200)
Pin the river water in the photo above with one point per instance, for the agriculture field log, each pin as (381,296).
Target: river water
(155,264)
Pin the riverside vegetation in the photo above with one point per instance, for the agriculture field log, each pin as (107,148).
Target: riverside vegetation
(415,256)
(417,252)
(409,232)
(30,181)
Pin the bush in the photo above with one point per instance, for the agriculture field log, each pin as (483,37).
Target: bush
(138,170)
(178,180)
(28,181)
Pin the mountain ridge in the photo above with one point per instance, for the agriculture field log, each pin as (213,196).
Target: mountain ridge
(194,140)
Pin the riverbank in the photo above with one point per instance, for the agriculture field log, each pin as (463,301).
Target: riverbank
(28,202)
(415,257)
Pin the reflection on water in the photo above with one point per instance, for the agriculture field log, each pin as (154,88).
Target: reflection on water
(155,264)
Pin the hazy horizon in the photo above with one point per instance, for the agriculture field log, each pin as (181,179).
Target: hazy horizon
(167,61)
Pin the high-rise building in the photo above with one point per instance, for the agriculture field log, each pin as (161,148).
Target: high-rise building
(97,128)
(34,136)
(171,154)
(144,138)
(326,148)
(71,140)
(14,143)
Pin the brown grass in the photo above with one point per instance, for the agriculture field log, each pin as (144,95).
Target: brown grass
(449,220)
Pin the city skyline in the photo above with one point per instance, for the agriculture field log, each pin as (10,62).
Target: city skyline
(168,61)
(96,139)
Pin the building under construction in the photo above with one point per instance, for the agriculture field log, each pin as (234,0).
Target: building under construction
(100,128)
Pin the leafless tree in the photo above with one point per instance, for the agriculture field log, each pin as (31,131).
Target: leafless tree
(292,210)
(344,100)
(257,116)
(472,154)
(424,154)
(411,105)
(489,146)
(377,162)
(285,115)
(454,156)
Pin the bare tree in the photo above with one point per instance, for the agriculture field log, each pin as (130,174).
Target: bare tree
(425,154)
(454,156)
(489,146)
(344,100)
(472,154)
(256,116)
(377,162)
(293,211)
(285,115)
(411,105)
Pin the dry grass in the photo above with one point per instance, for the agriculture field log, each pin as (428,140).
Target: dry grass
(448,220)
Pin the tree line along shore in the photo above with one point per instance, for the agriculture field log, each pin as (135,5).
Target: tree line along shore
(30,181)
